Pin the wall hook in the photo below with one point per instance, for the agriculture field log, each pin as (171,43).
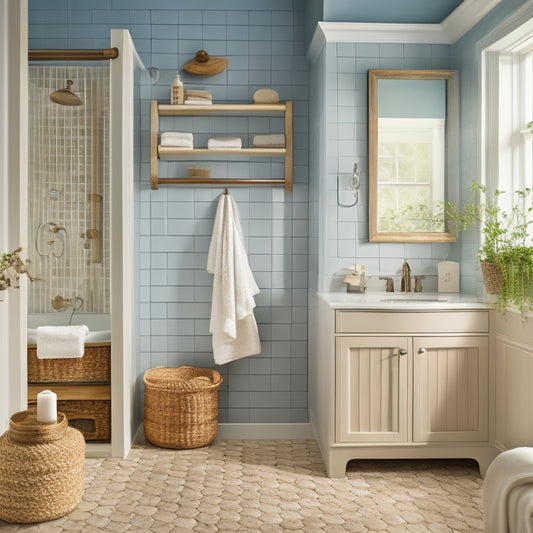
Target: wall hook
(353,184)
(154,75)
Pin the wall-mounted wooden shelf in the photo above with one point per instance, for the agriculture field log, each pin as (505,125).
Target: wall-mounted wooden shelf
(158,152)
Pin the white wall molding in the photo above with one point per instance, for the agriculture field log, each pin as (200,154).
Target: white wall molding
(505,29)
(363,32)
(13,199)
(266,431)
(452,28)
(121,149)
(228,431)
(465,17)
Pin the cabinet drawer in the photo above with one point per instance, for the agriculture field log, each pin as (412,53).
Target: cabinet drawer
(411,322)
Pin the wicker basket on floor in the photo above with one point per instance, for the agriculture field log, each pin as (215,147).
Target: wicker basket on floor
(181,406)
(41,469)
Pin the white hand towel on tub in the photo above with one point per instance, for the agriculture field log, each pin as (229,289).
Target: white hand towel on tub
(508,492)
(177,139)
(232,324)
(61,342)
(223,143)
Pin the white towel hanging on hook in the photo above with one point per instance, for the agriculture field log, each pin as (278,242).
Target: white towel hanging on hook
(233,325)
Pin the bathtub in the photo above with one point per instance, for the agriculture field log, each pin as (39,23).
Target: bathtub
(98,324)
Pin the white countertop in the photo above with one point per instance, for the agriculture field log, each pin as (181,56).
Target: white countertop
(393,301)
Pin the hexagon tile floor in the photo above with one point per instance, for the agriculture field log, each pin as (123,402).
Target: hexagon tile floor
(269,486)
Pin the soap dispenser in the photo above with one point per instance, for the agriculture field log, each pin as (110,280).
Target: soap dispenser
(176,91)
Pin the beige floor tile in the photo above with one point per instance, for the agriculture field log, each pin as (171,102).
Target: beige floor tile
(269,487)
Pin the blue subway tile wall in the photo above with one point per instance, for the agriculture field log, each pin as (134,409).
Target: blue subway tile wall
(346,97)
(264,46)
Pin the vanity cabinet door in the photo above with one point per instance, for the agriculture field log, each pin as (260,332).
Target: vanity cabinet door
(372,389)
(450,389)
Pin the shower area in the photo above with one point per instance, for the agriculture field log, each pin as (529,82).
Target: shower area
(84,188)
(69,210)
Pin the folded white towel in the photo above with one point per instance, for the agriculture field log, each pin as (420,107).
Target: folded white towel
(508,492)
(232,324)
(61,342)
(217,143)
(178,139)
(198,101)
(269,141)
(198,94)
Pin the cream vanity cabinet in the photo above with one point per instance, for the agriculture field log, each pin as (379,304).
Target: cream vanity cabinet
(406,384)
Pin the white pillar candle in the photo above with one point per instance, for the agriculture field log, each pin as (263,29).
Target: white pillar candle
(47,407)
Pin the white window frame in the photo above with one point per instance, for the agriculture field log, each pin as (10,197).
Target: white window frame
(507,89)
(419,130)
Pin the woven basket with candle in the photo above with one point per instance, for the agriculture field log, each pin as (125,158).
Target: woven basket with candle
(41,469)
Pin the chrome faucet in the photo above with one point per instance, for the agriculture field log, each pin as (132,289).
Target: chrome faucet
(406,277)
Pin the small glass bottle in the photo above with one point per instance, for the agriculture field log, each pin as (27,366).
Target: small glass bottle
(176,91)
(362,278)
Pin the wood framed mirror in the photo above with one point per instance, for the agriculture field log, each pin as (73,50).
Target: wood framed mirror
(412,151)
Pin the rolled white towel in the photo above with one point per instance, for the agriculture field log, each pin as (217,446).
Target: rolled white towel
(198,94)
(198,101)
(276,140)
(61,342)
(179,139)
(220,143)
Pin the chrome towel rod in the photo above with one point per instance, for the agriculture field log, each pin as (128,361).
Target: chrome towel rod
(72,55)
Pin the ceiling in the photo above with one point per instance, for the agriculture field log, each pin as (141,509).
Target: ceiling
(396,11)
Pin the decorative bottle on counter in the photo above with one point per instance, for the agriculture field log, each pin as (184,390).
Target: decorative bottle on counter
(176,91)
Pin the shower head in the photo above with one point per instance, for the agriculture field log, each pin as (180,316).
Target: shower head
(65,96)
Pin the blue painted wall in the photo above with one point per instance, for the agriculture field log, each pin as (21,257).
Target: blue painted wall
(407,11)
(314,12)
(264,44)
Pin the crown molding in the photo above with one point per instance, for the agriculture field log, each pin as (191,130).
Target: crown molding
(463,18)
(452,28)
(364,32)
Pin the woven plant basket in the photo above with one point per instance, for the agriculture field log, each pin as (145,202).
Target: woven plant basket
(181,406)
(41,469)
(492,277)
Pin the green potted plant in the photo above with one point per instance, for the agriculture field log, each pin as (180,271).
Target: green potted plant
(506,250)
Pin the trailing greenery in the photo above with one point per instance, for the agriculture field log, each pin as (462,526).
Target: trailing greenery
(517,287)
(508,242)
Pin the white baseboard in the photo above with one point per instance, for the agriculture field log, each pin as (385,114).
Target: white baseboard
(265,431)
(98,449)
(255,431)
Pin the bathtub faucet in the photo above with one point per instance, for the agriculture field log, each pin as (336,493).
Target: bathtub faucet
(60,304)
